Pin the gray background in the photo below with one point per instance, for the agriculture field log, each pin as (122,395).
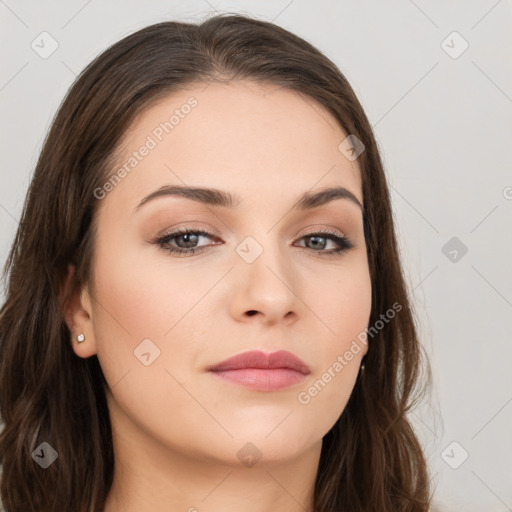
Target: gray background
(444,124)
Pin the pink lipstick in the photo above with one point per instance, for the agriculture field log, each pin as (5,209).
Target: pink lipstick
(262,372)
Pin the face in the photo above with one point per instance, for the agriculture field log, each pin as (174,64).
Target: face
(263,273)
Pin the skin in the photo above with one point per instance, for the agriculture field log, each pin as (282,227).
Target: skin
(177,428)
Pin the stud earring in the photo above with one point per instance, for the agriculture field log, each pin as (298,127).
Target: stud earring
(80,338)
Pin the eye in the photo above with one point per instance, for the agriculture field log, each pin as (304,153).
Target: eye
(186,239)
(318,241)
(186,242)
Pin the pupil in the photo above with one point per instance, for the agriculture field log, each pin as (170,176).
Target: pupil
(314,241)
(190,239)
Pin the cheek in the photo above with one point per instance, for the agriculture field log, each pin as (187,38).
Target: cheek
(147,297)
(140,298)
(142,309)
(344,305)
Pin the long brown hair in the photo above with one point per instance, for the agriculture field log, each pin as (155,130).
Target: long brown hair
(370,459)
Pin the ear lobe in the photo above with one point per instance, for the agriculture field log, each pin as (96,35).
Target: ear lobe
(77,312)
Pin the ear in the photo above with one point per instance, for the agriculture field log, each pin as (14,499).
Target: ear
(77,309)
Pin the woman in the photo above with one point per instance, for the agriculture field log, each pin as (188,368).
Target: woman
(205,304)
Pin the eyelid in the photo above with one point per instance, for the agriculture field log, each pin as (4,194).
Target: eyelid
(188,228)
(326,229)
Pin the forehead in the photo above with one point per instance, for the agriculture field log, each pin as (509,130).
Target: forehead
(252,138)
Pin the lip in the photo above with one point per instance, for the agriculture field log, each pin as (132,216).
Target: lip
(261,371)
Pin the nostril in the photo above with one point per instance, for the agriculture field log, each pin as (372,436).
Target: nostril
(252,312)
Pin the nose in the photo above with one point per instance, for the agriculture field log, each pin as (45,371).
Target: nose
(266,289)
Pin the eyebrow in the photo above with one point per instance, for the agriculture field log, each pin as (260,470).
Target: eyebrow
(220,198)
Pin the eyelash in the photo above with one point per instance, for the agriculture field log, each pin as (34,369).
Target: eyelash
(344,243)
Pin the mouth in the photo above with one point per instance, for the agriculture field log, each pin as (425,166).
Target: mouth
(262,372)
